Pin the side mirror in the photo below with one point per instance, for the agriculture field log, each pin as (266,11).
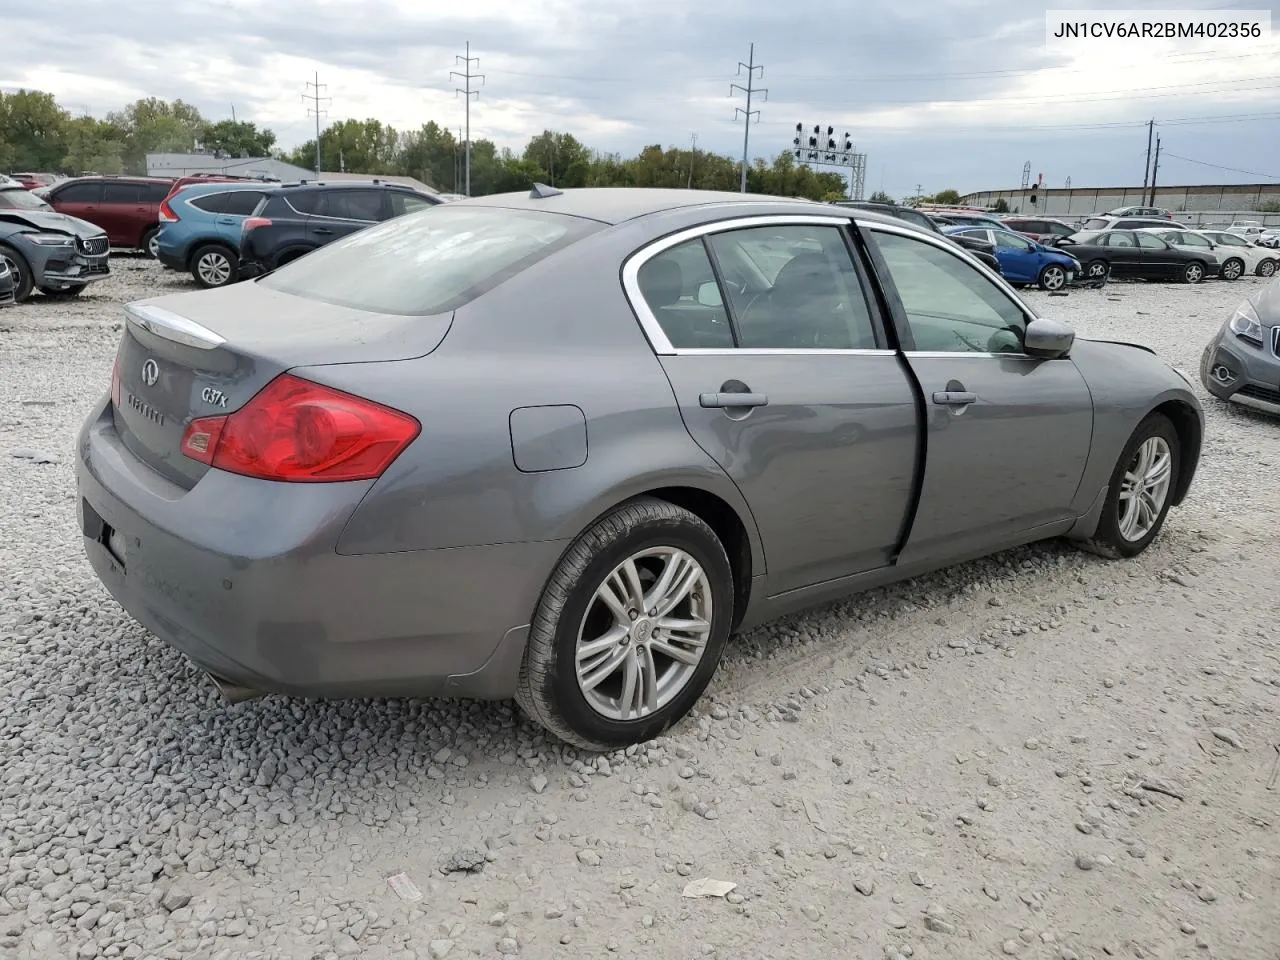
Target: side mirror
(709,294)
(1048,339)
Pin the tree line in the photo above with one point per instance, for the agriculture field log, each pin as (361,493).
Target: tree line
(39,135)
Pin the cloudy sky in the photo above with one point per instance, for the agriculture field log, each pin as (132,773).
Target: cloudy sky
(949,93)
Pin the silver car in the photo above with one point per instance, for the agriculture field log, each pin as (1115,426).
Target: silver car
(46,250)
(560,446)
(1242,361)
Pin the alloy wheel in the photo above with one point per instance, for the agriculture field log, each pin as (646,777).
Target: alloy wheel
(1267,268)
(1232,269)
(1145,488)
(153,245)
(1194,273)
(1054,278)
(644,633)
(14,269)
(214,269)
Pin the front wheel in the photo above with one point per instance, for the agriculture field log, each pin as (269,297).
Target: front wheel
(22,279)
(1193,272)
(1233,269)
(1052,277)
(630,627)
(1097,272)
(1141,491)
(1267,268)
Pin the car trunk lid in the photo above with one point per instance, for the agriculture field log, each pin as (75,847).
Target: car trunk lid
(207,354)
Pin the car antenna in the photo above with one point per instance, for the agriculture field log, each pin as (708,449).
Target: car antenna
(541,191)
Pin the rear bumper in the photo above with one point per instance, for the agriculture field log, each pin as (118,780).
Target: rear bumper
(1249,376)
(242,576)
(172,257)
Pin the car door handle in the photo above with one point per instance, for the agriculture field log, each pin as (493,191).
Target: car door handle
(954,398)
(732,400)
(230,221)
(323,230)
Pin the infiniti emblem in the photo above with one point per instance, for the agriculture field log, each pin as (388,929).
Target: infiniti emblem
(150,373)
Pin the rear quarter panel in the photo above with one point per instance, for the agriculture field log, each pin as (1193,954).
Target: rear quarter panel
(1127,383)
(560,333)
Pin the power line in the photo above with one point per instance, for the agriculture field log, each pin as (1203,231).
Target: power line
(1218,166)
(750,89)
(315,109)
(468,76)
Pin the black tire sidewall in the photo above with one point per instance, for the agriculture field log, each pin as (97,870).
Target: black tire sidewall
(1101,278)
(1157,424)
(570,703)
(214,248)
(26,282)
(146,241)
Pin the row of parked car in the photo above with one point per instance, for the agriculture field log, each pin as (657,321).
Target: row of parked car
(1132,243)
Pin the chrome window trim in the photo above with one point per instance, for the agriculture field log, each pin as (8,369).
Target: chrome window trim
(649,323)
(959,253)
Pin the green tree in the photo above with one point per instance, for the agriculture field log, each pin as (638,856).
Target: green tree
(93,146)
(881,197)
(431,154)
(1001,205)
(151,125)
(237,138)
(33,131)
(566,161)
(354,146)
(947,197)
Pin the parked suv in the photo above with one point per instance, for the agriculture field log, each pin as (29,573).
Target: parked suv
(295,218)
(1109,222)
(1039,229)
(46,250)
(984,251)
(127,208)
(200,227)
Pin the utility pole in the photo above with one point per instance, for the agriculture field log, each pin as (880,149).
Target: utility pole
(233,113)
(315,109)
(1154,168)
(1146,171)
(750,90)
(468,93)
(919,192)
(693,147)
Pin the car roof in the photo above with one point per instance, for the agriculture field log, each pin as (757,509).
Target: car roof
(293,186)
(201,188)
(615,204)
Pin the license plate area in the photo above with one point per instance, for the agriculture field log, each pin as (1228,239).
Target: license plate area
(101,532)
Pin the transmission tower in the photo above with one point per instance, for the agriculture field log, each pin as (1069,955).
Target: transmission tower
(750,90)
(1068,184)
(316,110)
(1026,175)
(693,155)
(468,93)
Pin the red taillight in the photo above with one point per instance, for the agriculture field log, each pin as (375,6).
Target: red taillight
(167,213)
(298,431)
(115,382)
(253,223)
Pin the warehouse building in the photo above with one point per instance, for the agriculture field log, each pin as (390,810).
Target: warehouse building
(1245,198)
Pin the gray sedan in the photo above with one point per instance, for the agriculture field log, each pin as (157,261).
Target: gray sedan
(560,446)
(1242,361)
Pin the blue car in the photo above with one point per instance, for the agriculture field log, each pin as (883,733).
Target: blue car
(200,229)
(1023,261)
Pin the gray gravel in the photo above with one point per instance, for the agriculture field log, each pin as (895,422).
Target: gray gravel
(925,770)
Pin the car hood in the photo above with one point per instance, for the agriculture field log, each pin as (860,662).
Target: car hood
(1120,343)
(1266,303)
(51,221)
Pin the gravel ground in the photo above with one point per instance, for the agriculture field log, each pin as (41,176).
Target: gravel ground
(1040,754)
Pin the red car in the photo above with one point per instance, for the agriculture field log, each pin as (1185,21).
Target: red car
(1040,229)
(128,208)
(34,181)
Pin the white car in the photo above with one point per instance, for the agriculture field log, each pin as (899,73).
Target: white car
(1249,229)
(1270,238)
(1231,264)
(1258,260)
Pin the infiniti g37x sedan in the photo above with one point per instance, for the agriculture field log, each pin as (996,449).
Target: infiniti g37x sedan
(559,446)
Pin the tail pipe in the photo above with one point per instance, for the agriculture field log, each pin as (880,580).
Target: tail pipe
(233,692)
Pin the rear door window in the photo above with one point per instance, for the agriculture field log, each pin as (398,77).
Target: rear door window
(432,263)
(121,193)
(153,192)
(351,205)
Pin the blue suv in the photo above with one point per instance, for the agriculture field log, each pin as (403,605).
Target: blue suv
(200,229)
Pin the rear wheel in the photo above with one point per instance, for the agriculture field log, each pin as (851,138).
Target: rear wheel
(630,627)
(213,265)
(1193,272)
(1267,268)
(151,242)
(1141,491)
(22,279)
(1097,271)
(1233,269)
(1052,277)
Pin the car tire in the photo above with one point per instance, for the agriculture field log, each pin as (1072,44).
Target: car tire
(591,716)
(150,240)
(66,293)
(1267,268)
(1233,269)
(1052,277)
(1117,536)
(1193,272)
(1097,272)
(23,282)
(214,265)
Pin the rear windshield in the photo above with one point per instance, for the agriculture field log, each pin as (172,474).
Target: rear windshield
(429,262)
